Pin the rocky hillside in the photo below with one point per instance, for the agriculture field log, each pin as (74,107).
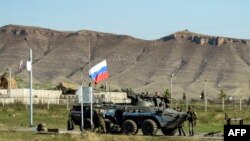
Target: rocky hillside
(133,63)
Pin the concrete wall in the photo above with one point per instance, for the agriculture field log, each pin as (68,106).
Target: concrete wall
(56,97)
(114,97)
(22,96)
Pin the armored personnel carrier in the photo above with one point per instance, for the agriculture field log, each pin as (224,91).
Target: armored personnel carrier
(145,112)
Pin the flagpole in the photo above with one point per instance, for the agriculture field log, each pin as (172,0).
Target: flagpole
(91,106)
(91,90)
(82,109)
(89,55)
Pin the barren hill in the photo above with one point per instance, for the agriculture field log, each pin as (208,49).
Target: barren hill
(132,63)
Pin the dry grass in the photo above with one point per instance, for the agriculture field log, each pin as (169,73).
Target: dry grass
(24,136)
(56,117)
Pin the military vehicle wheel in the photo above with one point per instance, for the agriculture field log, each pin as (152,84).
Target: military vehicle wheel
(129,127)
(87,124)
(149,127)
(168,132)
(111,127)
(70,125)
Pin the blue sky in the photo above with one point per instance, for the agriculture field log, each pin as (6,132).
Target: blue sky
(145,19)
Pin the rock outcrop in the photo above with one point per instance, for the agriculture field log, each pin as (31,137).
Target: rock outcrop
(203,39)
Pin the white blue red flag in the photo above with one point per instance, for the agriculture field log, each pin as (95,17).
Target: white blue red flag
(99,72)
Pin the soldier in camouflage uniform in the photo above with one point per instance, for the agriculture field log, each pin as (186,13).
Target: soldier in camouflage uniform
(100,120)
(191,116)
(180,128)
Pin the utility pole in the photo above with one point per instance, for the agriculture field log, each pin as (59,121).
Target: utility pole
(31,102)
(30,77)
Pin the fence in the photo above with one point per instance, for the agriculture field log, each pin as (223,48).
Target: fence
(50,97)
(68,101)
(240,104)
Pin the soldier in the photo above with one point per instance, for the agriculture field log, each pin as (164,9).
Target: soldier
(191,116)
(155,99)
(180,128)
(101,122)
(156,94)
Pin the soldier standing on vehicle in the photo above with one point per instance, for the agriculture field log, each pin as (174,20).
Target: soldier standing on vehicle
(180,128)
(155,99)
(191,116)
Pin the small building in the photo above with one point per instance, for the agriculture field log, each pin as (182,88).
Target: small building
(23,96)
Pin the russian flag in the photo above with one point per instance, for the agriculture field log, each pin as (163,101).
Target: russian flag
(99,72)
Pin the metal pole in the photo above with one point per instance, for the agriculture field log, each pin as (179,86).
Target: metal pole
(205,93)
(91,106)
(89,55)
(30,77)
(82,123)
(31,104)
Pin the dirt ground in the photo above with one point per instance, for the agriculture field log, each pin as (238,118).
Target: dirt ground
(197,136)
